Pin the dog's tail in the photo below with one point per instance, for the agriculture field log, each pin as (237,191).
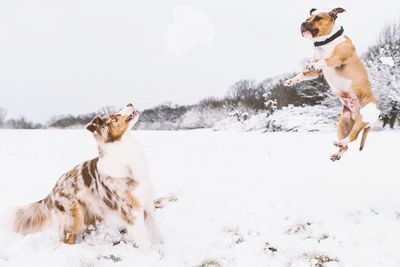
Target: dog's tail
(364,137)
(32,218)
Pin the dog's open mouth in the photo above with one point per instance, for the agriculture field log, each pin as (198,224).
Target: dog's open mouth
(132,116)
(306,33)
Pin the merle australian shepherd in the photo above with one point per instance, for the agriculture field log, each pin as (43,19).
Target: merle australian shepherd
(113,187)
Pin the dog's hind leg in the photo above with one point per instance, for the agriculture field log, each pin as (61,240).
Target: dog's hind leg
(71,223)
(359,125)
(364,137)
(344,128)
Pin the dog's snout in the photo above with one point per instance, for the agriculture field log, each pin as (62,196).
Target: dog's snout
(304,25)
(130,105)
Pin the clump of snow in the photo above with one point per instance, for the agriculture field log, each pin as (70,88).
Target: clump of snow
(201,117)
(191,30)
(387,61)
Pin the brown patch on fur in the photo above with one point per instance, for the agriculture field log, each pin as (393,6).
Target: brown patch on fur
(108,191)
(117,130)
(71,235)
(48,202)
(73,173)
(59,206)
(131,183)
(62,194)
(126,217)
(87,177)
(134,201)
(93,166)
(88,217)
(75,187)
(93,171)
(95,124)
(343,54)
(110,204)
(357,127)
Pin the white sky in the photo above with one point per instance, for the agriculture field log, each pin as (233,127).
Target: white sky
(76,56)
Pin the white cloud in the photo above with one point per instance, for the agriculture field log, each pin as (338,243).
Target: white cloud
(190,31)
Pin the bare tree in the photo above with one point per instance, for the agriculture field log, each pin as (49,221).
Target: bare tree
(240,89)
(390,34)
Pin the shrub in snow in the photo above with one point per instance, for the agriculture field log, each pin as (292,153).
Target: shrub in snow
(201,117)
(383,63)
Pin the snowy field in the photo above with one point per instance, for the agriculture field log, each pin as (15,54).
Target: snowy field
(244,199)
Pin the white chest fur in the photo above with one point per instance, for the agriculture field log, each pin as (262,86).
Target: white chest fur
(338,84)
(124,159)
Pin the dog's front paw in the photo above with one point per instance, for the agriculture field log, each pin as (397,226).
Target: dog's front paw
(311,67)
(336,156)
(341,143)
(315,66)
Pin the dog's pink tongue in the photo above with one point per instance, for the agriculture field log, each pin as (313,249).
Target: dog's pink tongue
(307,34)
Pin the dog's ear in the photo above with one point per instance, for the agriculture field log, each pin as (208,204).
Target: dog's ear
(95,124)
(312,10)
(336,11)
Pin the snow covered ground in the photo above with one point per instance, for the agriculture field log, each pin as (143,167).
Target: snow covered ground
(244,199)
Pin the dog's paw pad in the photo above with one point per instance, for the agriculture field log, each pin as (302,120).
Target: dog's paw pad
(310,67)
(338,144)
(335,156)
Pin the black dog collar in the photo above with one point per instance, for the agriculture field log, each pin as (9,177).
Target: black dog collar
(330,39)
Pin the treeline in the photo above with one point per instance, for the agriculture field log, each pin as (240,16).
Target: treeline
(20,123)
(61,121)
(243,99)
(71,121)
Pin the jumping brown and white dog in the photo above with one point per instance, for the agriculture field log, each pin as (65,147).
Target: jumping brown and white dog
(336,58)
(113,188)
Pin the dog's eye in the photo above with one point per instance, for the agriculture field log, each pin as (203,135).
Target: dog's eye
(317,18)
